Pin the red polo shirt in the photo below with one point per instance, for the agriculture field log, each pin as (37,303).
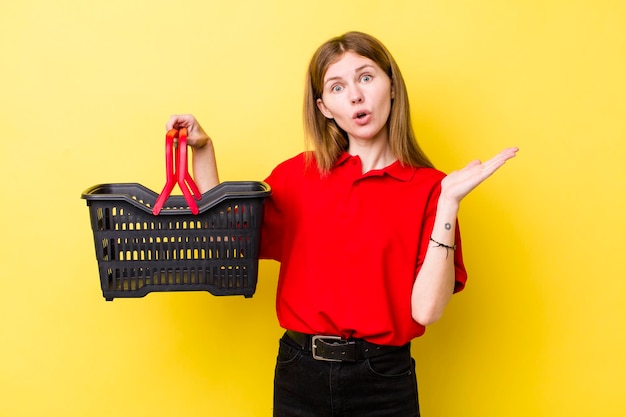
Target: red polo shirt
(350,246)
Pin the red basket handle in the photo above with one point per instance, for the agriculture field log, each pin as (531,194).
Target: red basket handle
(176,171)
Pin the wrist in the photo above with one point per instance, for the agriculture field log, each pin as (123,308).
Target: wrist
(202,144)
(448,207)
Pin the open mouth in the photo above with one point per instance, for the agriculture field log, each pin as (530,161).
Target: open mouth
(360,115)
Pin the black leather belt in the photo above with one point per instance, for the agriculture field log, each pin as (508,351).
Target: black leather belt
(336,349)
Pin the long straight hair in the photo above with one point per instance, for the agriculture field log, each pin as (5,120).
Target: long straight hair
(328,140)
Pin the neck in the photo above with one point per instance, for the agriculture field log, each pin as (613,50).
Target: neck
(373,155)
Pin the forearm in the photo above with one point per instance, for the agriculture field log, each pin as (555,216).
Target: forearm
(434,283)
(205,167)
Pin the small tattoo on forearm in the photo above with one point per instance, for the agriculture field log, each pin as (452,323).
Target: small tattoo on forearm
(448,226)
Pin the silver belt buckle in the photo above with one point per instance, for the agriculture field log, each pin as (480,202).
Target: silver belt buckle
(314,340)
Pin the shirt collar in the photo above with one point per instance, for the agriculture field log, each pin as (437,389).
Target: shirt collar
(396,170)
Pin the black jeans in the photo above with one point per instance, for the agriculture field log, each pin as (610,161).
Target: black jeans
(381,386)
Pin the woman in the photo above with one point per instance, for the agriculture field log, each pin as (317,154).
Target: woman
(366,233)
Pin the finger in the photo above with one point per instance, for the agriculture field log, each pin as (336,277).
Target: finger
(171,123)
(508,153)
(472,164)
(179,121)
(498,160)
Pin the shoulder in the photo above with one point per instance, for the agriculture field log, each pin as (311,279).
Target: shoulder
(425,177)
(291,169)
(429,174)
(298,164)
(425,184)
(293,162)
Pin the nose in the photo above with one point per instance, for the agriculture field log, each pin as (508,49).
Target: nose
(357,96)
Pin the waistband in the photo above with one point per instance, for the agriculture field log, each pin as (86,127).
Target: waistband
(337,349)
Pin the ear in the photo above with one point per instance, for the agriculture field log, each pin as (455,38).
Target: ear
(393,92)
(323,109)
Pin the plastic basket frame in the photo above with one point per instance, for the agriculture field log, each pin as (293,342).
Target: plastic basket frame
(138,253)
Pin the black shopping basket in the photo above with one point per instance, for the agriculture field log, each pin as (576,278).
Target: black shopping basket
(215,250)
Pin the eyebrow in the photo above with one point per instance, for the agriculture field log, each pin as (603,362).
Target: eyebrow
(359,69)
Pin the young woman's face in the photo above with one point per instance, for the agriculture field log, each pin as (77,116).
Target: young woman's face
(357,95)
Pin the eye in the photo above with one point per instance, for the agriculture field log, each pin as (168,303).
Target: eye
(366,78)
(336,88)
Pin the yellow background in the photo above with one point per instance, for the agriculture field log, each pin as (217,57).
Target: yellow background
(87,87)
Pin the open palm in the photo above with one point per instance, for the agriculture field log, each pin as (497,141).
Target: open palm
(458,184)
